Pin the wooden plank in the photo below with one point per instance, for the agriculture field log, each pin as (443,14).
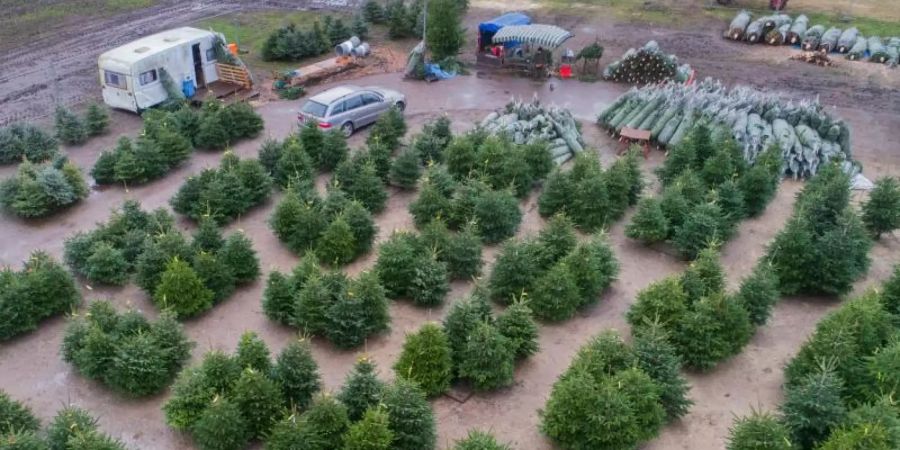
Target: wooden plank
(234,74)
(632,133)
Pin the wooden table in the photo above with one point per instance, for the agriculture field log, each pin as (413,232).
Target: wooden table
(630,136)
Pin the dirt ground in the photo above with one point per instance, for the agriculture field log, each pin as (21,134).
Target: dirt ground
(32,371)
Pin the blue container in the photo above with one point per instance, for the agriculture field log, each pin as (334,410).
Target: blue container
(187,87)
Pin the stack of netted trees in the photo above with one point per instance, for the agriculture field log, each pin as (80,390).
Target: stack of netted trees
(806,134)
(838,391)
(72,428)
(645,65)
(527,123)
(782,30)
(228,401)
(615,395)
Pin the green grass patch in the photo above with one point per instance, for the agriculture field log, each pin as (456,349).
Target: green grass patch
(251,29)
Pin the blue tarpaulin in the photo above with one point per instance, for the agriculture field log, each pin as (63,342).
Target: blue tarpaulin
(494,25)
(435,71)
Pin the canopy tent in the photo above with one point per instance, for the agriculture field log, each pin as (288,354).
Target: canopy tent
(549,36)
(494,25)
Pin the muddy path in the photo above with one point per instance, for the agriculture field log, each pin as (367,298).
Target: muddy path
(32,371)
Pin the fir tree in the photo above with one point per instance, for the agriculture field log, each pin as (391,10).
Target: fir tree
(364,184)
(106,264)
(312,141)
(410,416)
(759,293)
(296,373)
(445,32)
(715,328)
(221,427)
(68,421)
(211,134)
(479,440)
(425,360)
(371,433)
(430,204)
(173,148)
(593,266)
(182,290)
(813,408)
(70,129)
(644,395)
(337,244)
(881,213)
(658,358)
(239,256)
(649,223)
(253,353)
(555,241)
(362,389)
(325,423)
(216,276)
(515,272)
(104,170)
(397,263)
(128,168)
(96,119)
(373,12)
(334,150)
(555,296)
(760,182)
(311,306)
(701,226)
(16,417)
(295,165)
(463,254)
(297,223)
(497,215)
(359,26)
(259,400)
(518,327)
(488,360)
(758,431)
(208,237)
(704,276)
(431,282)
(459,323)
(405,169)
(361,312)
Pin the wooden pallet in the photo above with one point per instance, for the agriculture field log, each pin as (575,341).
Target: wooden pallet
(234,74)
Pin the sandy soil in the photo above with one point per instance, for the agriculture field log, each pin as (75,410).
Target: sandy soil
(33,372)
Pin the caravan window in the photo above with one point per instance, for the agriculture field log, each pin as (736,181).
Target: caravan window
(113,79)
(210,55)
(148,77)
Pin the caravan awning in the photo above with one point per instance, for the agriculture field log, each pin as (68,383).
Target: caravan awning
(508,19)
(545,35)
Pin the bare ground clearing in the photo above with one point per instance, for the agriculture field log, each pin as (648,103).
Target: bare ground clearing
(31,370)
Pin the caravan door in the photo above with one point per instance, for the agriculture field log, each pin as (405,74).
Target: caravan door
(118,90)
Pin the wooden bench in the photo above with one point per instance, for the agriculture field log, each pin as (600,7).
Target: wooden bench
(630,136)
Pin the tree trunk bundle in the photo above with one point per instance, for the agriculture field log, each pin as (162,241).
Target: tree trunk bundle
(829,40)
(847,39)
(877,50)
(778,36)
(859,48)
(798,29)
(738,26)
(804,132)
(812,37)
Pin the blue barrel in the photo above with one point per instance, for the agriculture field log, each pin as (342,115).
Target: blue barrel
(187,86)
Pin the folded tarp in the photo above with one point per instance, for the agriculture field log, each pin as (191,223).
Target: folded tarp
(494,25)
(545,35)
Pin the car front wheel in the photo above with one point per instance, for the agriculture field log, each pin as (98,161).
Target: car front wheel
(347,129)
(400,105)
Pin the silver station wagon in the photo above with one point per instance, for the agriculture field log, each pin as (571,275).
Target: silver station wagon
(349,108)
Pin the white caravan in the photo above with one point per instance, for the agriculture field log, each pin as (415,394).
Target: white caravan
(130,74)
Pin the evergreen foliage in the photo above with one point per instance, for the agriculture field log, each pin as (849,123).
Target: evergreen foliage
(372,432)
(252,353)
(405,169)
(649,223)
(221,426)
(445,32)
(125,351)
(881,213)
(362,390)
(410,416)
(290,43)
(518,327)
(341,230)
(488,359)
(387,131)
(479,440)
(824,246)
(181,290)
(813,407)
(96,119)
(40,190)
(296,373)
(15,416)
(359,179)
(425,360)
(23,141)
(407,270)
(40,290)
(224,193)
(759,293)
(459,323)
(70,129)
(361,311)
(758,431)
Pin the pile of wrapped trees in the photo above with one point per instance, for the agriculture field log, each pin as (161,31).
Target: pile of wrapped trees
(780,29)
(807,136)
(529,122)
(647,64)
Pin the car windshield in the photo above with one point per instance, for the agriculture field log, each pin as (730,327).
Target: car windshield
(314,108)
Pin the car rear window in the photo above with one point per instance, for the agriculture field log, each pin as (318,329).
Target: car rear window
(314,108)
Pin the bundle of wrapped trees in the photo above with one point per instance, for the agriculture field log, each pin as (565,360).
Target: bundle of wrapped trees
(806,134)
(647,64)
(779,29)
(529,122)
